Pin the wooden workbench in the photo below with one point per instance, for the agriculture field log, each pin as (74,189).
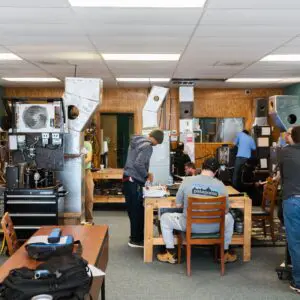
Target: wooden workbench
(108,174)
(152,204)
(94,240)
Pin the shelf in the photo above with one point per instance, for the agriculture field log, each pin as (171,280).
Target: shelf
(109,199)
(108,174)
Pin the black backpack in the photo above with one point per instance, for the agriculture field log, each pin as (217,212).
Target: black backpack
(68,279)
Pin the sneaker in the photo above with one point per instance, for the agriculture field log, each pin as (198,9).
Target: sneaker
(133,244)
(87,223)
(294,287)
(167,257)
(230,258)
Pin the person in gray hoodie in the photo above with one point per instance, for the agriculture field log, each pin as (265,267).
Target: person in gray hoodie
(136,173)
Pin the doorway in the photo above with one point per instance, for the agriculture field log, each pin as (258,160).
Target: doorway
(117,130)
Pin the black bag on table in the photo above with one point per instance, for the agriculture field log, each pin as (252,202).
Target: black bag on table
(67,278)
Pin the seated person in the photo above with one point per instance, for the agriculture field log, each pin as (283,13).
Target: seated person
(177,221)
(180,159)
(190,169)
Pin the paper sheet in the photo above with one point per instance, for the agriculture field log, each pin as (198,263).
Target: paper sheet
(154,192)
(263,142)
(95,271)
(44,239)
(263,163)
(266,131)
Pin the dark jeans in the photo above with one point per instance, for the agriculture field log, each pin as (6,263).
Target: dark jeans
(239,162)
(135,207)
(291,213)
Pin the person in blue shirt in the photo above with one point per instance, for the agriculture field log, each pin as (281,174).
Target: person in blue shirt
(246,145)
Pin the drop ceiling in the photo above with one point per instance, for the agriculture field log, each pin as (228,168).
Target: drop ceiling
(226,38)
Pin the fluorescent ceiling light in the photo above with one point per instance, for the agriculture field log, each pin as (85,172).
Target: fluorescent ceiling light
(143,79)
(9,56)
(132,79)
(138,3)
(281,57)
(160,79)
(29,79)
(253,79)
(141,57)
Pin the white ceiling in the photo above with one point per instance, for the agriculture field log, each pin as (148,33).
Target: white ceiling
(51,37)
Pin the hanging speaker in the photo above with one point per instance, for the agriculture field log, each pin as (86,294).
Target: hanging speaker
(186,110)
(261,107)
(285,111)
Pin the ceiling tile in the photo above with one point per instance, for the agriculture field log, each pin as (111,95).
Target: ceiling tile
(15,15)
(254,4)
(247,31)
(141,44)
(251,16)
(115,30)
(46,30)
(143,16)
(34,3)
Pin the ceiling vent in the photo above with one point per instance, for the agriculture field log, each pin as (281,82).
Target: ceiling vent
(228,64)
(194,81)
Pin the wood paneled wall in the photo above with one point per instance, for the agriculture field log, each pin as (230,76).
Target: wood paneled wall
(208,103)
(205,150)
(117,101)
(229,103)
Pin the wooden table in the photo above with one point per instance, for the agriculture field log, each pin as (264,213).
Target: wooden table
(94,240)
(152,204)
(108,174)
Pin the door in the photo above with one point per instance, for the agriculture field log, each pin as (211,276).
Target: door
(109,126)
(124,132)
(117,129)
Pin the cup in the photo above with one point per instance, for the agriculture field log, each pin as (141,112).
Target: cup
(101,167)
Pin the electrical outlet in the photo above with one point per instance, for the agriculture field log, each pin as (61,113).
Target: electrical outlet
(55,135)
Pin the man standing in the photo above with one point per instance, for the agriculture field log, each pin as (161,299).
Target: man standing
(89,182)
(289,171)
(246,145)
(134,178)
(177,221)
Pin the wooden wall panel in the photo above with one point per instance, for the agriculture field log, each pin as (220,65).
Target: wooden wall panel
(229,103)
(208,103)
(205,150)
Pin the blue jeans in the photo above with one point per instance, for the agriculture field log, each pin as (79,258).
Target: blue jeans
(291,214)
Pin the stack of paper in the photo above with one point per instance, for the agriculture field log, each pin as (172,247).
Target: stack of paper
(154,192)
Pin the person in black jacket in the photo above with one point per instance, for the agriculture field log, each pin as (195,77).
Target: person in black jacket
(289,163)
(180,159)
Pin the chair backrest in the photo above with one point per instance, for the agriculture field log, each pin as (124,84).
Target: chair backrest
(269,195)
(210,210)
(9,233)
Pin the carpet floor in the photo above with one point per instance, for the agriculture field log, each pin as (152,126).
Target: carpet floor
(128,278)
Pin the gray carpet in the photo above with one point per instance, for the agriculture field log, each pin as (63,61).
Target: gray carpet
(129,278)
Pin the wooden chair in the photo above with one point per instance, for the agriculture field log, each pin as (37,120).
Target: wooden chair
(9,234)
(266,210)
(204,211)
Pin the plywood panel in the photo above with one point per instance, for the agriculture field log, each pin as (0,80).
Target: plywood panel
(229,103)
(205,150)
